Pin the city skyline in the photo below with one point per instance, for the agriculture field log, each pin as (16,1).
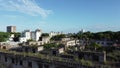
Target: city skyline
(61,15)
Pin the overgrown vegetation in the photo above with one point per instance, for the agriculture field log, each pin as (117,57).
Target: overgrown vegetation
(45,35)
(4,36)
(17,35)
(114,56)
(58,37)
(50,45)
(107,35)
(93,46)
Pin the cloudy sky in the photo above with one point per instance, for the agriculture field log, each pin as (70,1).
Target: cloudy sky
(61,15)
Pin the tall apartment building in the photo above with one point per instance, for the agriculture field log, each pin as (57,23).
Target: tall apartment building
(11,28)
(27,35)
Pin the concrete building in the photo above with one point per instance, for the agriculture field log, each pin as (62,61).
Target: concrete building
(19,61)
(22,39)
(94,56)
(51,34)
(104,43)
(57,51)
(31,49)
(38,34)
(11,28)
(65,39)
(8,45)
(27,35)
(70,43)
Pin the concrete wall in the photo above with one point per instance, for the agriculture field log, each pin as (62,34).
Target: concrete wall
(17,61)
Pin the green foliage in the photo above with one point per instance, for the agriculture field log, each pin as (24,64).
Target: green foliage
(108,35)
(50,45)
(17,35)
(4,36)
(93,46)
(58,37)
(115,55)
(2,65)
(45,35)
(86,62)
(30,40)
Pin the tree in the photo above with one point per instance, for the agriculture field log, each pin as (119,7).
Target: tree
(17,36)
(4,36)
(58,37)
(106,35)
(45,35)
(50,45)
(94,46)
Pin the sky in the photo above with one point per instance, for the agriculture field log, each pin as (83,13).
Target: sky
(60,15)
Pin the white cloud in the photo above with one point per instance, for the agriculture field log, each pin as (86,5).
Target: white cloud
(24,6)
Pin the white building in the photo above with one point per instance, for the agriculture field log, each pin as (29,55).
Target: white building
(70,43)
(38,34)
(51,34)
(23,39)
(27,35)
(11,37)
(33,35)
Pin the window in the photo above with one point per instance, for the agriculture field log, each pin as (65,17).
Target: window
(102,42)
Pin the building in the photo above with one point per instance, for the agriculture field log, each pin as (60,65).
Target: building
(37,34)
(11,37)
(104,43)
(31,49)
(11,28)
(51,34)
(28,35)
(70,43)
(8,45)
(18,61)
(56,51)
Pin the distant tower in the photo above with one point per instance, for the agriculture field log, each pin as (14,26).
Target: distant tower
(11,28)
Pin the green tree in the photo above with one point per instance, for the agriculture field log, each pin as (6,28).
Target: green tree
(4,36)
(94,46)
(45,35)
(17,36)
(50,45)
(58,37)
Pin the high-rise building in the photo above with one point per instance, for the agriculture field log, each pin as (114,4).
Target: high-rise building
(11,28)
(34,35)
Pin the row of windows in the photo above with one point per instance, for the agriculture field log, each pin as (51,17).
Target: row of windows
(20,61)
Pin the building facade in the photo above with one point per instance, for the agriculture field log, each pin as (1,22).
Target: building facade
(11,28)
(28,35)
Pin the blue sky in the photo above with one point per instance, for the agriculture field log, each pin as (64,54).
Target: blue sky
(61,15)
